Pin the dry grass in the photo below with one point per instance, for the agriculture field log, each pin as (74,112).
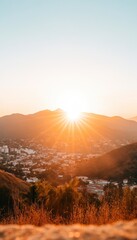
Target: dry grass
(47,204)
(90,215)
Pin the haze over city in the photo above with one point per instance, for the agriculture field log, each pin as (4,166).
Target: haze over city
(59,54)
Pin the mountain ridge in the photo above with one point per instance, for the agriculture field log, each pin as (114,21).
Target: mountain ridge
(134,119)
(53,127)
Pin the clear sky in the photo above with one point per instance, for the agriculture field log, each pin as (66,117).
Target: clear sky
(55,53)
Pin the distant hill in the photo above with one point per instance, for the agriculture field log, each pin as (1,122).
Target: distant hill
(12,189)
(118,164)
(53,128)
(134,118)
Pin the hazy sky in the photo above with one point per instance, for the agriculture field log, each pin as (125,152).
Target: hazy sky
(54,53)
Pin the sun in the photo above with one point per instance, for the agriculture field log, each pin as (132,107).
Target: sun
(73,115)
(73,105)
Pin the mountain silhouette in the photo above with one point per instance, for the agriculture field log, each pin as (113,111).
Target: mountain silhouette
(134,118)
(53,128)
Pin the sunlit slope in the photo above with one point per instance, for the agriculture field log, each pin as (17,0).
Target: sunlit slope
(12,189)
(118,164)
(10,181)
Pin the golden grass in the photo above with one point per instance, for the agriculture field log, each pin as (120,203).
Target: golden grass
(91,215)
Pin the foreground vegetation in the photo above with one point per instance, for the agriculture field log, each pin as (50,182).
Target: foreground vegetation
(68,204)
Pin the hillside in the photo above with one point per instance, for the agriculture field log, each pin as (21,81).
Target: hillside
(53,128)
(118,164)
(12,189)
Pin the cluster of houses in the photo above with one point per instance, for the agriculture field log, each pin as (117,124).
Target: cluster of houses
(34,161)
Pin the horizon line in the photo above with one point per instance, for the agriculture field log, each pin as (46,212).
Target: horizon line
(60,109)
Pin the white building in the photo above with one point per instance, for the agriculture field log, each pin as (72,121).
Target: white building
(4,149)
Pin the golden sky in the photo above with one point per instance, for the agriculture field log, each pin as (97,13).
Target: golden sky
(64,54)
